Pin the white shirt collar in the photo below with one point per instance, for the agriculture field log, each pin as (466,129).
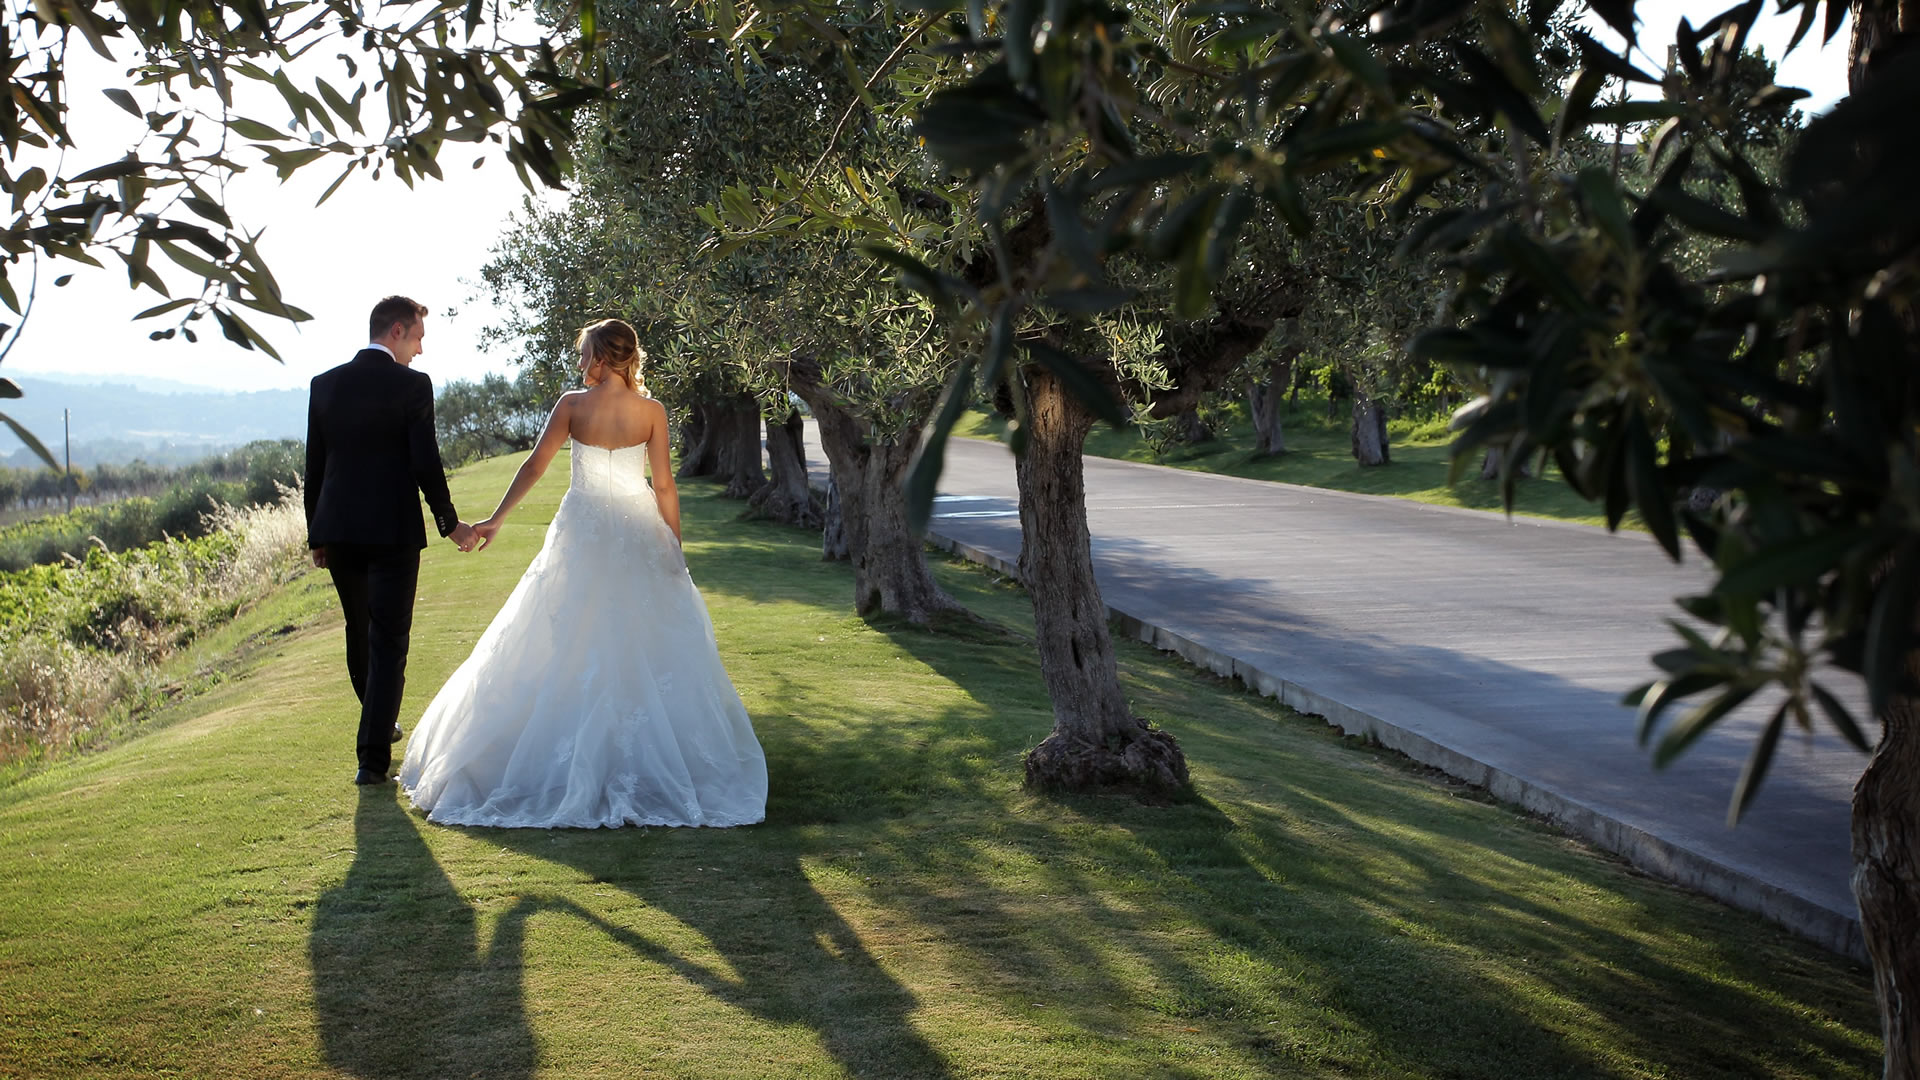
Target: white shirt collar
(382,348)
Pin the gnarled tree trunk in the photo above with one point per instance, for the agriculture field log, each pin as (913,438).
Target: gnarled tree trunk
(1886,800)
(1875,24)
(1096,740)
(890,571)
(1264,395)
(890,568)
(1370,432)
(1263,406)
(697,453)
(846,450)
(1263,403)
(1886,877)
(833,525)
(735,430)
(787,497)
(1190,429)
(1490,465)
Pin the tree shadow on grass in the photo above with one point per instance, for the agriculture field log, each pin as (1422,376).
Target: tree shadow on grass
(1322,917)
(401,985)
(1357,922)
(403,989)
(789,957)
(1655,976)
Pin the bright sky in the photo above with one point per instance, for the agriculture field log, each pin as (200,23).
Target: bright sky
(375,238)
(1821,71)
(371,239)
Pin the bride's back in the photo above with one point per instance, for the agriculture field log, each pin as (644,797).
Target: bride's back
(611,415)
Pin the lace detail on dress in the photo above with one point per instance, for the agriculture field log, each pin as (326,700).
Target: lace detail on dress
(597,696)
(613,501)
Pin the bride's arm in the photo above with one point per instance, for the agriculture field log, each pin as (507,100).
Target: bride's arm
(559,427)
(659,464)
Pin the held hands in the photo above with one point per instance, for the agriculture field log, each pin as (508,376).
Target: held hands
(463,537)
(486,530)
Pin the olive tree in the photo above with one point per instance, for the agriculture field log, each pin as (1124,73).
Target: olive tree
(1781,376)
(1063,339)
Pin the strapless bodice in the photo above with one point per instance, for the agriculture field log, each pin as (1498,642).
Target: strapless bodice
(598,471)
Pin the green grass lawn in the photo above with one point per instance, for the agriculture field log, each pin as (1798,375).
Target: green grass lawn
(1320,454)
(215,899)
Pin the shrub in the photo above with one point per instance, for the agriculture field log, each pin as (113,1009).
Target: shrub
(271,468)
(50,691)
(83,637)
(183,511)
(154,502)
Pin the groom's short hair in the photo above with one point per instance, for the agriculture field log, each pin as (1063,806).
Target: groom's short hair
(394,310)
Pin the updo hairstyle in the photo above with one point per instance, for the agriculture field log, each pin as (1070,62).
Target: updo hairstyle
(612,342)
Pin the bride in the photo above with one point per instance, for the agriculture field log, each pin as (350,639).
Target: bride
(597,696)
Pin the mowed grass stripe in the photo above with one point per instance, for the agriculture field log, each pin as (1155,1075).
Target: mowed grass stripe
(215,899)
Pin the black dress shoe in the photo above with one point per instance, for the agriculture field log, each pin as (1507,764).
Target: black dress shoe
(366,776)
(397,733)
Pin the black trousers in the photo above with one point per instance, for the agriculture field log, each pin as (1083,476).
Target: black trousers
(376,584)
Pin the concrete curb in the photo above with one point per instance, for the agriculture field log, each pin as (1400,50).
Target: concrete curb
(1838,931)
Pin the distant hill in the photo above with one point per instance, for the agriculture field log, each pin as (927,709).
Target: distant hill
(161,421)
(145,383)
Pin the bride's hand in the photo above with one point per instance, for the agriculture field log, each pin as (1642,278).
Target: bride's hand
(485,530)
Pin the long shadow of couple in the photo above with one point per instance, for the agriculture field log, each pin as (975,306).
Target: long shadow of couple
(403,987)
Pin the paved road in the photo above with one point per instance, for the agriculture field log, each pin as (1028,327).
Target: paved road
(1494,650)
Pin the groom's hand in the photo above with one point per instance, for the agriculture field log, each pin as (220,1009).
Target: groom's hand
(319,557)
(462,536)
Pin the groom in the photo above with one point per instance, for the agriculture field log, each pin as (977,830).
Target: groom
(370,446)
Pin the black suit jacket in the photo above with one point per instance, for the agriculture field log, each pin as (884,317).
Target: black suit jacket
(370,446)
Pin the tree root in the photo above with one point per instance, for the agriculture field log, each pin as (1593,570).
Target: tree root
(1143,758)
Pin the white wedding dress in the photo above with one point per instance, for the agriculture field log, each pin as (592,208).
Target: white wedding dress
(597,696)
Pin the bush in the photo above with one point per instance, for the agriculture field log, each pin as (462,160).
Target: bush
(272,467)
(259,469)
(138,599)
(253,475)
(185,510)
(81,637)
(1421,427)
(49,690)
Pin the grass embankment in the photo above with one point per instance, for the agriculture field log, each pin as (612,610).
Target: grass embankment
(91,650)
(1320,454)
(215,899)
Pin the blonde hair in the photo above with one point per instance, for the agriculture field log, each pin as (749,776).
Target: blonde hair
(612,342)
